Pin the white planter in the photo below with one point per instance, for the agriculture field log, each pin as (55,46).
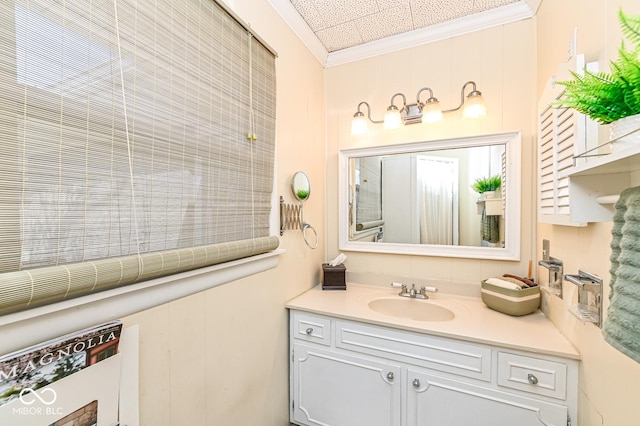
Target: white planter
(623,127)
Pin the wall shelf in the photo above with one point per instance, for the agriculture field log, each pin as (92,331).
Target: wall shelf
(493,205)
(623,161)
(598,180)
(579,181)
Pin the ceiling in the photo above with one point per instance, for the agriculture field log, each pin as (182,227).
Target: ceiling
(340,24)
(339,31)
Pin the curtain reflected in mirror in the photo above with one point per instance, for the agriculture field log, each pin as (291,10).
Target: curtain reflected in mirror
(438,200)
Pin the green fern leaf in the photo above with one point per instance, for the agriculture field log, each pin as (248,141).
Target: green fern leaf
(607,97)
(630,27)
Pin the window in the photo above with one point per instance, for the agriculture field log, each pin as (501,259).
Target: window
(126,131)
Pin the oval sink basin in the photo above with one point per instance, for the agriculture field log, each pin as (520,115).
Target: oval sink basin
(414,309)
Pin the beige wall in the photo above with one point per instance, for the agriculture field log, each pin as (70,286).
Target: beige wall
(609,381)
(511,64)
(220,357)
(501,61)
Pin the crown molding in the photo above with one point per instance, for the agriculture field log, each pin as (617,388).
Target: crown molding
(499,16)
(465,25)
(534,5)
(298,25)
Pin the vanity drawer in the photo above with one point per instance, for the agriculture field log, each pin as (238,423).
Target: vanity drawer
(432,352)
(311,328)
(534,375)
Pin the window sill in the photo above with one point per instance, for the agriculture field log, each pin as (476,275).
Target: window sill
(22,329)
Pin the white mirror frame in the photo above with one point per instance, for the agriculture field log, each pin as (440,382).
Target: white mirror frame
(511,251)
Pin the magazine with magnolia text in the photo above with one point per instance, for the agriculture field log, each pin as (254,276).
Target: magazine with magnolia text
(32,368)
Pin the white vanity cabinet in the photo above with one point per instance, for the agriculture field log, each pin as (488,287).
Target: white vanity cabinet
(348,373)
(332,388)
(437,400)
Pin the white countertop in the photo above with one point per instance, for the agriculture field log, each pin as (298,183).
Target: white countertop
(473,322)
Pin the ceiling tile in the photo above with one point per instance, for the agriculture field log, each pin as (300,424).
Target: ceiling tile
(336,12)
(430,12)
(340,36)
(390,4)
(340,24)
(386,23)
(308,11)
(480,5)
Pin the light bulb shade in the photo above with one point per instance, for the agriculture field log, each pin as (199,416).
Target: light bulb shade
(359,124)
(474,106)
(392,118)
(431,111)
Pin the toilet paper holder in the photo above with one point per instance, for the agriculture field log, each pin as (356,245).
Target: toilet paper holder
(555,267)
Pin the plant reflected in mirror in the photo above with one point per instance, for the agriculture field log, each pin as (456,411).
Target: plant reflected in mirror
(486,184)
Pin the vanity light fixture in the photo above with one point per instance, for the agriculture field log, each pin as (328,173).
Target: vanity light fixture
(428,111)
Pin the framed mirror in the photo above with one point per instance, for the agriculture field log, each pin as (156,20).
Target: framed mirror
(423,198)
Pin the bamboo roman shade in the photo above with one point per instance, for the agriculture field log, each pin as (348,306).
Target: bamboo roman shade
(127,151)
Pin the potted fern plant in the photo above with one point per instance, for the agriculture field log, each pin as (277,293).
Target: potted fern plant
(486,185)
(613,97)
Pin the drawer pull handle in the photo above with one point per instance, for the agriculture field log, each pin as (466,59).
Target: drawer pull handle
(390,375)
(532,379)
(309,331)
(416,383)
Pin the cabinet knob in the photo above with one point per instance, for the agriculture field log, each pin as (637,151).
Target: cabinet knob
(416,383)
(390,375)
(309,331)
(532,379)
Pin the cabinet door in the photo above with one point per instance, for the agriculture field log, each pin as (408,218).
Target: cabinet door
(433,400)
(333,389)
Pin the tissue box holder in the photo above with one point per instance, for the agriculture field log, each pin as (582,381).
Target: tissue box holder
(333,277)
(510,302)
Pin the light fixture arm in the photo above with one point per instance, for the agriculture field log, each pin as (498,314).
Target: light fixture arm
(359,113)
(404,101)
(422,90)
(474,89)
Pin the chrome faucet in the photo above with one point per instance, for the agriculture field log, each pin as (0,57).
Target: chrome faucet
(413,292)
(403,291)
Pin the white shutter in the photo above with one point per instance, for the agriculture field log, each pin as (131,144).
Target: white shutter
(562,134)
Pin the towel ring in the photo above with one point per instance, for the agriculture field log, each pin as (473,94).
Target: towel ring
(291,214)
(306,226)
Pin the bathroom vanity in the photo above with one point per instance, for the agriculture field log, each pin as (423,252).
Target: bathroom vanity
(366,356)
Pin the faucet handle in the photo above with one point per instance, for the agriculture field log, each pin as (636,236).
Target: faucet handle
(424,290)
(402,286)
(404,290)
